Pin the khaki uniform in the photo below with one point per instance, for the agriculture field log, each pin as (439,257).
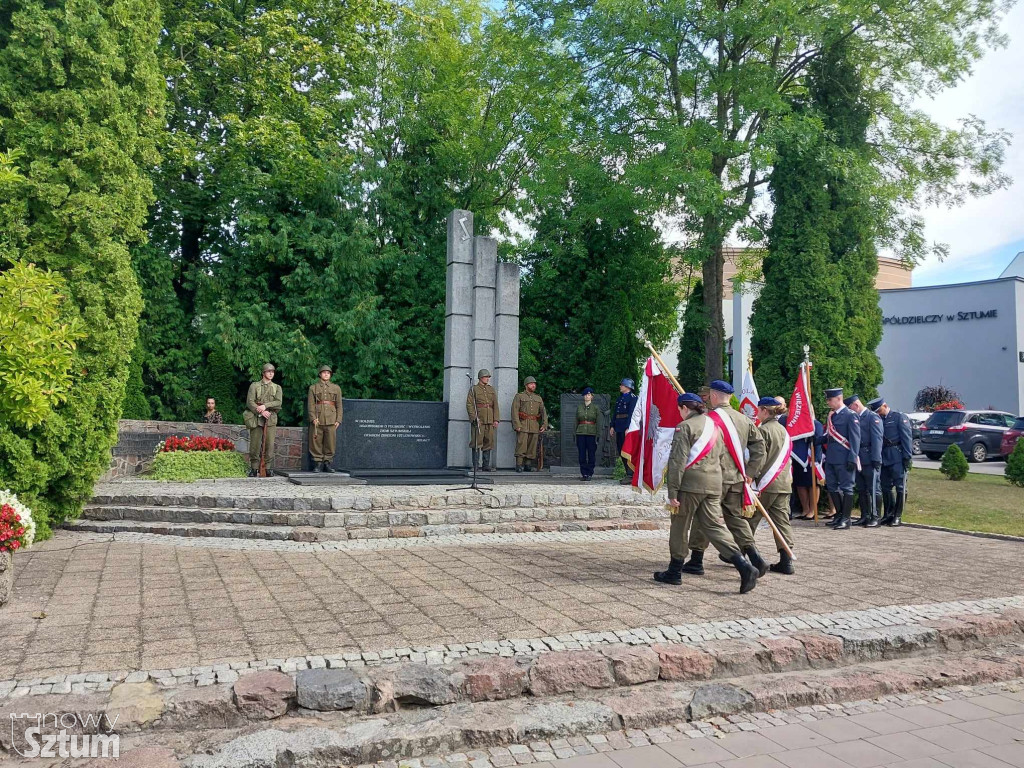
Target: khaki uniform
(323,406)
(486,398)
(732,482)
(775,498)
(698,490)
(528,418)
(268,394)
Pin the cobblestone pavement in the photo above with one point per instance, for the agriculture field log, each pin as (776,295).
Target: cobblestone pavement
(82,605)
(962,727)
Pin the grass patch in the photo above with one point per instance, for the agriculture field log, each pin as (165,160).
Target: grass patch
(189,466)
(977,503)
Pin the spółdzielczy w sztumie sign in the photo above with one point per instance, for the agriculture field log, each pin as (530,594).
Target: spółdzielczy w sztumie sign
(940,318)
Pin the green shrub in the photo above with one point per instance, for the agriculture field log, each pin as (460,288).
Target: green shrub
(1015,464)
(136,406)
(82,109)
(954,463)
(189,466)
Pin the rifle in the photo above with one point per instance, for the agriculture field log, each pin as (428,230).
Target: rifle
(540,452)
(263,449)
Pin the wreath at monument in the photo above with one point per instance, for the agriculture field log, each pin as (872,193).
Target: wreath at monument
(17,531)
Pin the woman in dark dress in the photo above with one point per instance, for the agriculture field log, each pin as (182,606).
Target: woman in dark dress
(803,472)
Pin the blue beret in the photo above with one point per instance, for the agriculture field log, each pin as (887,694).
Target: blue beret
(837,392)
(875,404)
(588,391)
(627,383)
(722,386)
(688,398)
(767,402)
(851,400)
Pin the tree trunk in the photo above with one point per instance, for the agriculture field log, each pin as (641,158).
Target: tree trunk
(713,269)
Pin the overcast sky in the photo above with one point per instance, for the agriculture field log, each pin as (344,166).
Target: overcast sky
(986,233)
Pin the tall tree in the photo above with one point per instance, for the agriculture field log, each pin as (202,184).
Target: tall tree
(821,262)
(693,96)
(693,334)
(81,101)
(595,272)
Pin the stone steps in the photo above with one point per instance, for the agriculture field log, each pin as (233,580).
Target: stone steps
(310,533)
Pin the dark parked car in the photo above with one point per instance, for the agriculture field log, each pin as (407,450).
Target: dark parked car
(979,434)
(917,420)
(1011,436)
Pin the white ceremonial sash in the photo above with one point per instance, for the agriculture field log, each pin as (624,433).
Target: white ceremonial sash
(834,434)
(732,445)
(706,441)
(782,463)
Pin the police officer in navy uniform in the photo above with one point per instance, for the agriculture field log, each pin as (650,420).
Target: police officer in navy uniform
(620,422)
(870,461)
(842,447)
(897,458)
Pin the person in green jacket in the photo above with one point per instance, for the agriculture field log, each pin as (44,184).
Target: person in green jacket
(261,406)
(695,493)
(774,486)
(587,417)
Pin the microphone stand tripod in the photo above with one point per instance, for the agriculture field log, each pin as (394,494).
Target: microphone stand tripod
(472,446)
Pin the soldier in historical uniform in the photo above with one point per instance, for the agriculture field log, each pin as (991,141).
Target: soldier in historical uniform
(694,493)
(867,481)
(742,459)
(774,485)
(324,408)
(620,423)
(897,458)
(261,407)
(842,448)
(529,420)
(588,414)
(482,407)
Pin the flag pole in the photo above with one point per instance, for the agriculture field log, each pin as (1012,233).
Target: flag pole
(661,363)
(814,478)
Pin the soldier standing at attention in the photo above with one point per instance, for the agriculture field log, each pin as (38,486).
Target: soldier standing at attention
(694,492)
(897,458)
(587,416)
(842,447)
(740,437)
(620,423)
(261,407)
(870,461)
(775,485)
(529,420)
(324,407)
(482,407)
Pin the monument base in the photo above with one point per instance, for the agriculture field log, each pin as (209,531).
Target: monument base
(387,477)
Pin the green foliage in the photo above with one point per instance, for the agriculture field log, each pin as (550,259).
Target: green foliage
(38,332)
(928,398)
(136,406)
(189,466)
(821,262)
(595,273)
(1015,464)
(80,106)
(691,340)
(221,381)
(954,463)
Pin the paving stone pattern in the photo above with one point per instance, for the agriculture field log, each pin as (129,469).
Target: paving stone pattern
(958,727)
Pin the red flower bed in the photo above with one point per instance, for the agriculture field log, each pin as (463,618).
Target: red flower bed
(949,405)
(11,529)
(196,443)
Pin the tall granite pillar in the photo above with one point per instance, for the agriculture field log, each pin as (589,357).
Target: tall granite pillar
(481,331)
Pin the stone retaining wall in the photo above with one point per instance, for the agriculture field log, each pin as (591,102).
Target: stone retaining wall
(137,441)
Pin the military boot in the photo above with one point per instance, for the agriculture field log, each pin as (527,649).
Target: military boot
(887,506)
(487,462)
(253,473)
(748,573)
(519,466)
(328,467)
(318,466)
(845,513)
(528,467)
(784,566)
(671,576)
(756,560)
(695,565)
(897,510)
(837,502)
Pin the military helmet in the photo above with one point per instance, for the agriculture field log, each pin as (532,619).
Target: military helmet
(326,368)
(530,380)
(269,367)
(627,383)
(483,373)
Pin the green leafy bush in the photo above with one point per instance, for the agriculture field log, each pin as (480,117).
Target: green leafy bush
(189,466)
(1015,464)
(954,463)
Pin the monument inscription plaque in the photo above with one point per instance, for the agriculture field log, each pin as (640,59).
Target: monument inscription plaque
(390,434)
(570,454)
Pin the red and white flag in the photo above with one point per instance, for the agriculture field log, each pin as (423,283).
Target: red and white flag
(748,395)
(649,437)
(800,422)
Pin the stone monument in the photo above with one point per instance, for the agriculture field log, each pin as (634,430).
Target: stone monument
(481,330)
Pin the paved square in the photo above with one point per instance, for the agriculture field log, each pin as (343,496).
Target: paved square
(84,605)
